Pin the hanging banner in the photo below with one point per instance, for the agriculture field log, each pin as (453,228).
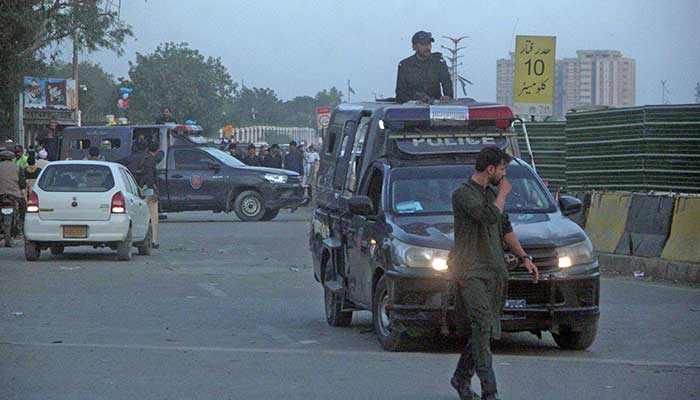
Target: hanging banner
(533,84)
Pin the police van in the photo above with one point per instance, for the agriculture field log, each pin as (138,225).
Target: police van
(383,225)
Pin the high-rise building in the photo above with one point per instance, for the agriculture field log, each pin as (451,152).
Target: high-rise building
(593,78)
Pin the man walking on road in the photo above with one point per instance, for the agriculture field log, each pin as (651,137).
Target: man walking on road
(477,261)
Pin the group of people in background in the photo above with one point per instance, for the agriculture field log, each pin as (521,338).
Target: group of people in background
(299,159)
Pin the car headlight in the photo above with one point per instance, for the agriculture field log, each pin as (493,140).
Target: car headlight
(272,178)
(419,257)
(575,254)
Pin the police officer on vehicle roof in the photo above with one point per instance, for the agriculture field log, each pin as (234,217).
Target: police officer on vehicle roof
(421,75)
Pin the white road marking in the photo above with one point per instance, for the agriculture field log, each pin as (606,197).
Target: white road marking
(212,290)
(499,358)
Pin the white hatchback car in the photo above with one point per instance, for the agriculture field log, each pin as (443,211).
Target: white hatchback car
(86,203)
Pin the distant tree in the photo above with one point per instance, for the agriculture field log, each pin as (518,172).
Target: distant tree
(101,94)
(331,97)
(300,111)
(193,86)
(31,29)
(257,106)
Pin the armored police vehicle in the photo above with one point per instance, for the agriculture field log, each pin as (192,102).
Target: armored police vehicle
(193,176)
(383,225)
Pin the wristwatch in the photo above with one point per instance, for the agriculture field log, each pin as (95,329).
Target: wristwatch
(521,259)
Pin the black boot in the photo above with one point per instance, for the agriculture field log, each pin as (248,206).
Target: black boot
(463,388)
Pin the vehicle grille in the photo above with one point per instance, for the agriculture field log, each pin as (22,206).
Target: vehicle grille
(544,258)
(533,293)
(294,179)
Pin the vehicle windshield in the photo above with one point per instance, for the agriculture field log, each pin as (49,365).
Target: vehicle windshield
(76,178)
(224,157)
(423,190)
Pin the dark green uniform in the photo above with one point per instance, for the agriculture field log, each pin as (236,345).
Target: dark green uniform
(420,79)
(477,262)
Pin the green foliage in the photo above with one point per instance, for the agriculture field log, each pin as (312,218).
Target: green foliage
(31,30)
(257,106)
(193,86)
(269,110)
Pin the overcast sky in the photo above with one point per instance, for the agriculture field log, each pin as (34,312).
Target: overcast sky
(299,47)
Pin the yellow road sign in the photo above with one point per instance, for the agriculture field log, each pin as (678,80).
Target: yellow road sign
(533,85)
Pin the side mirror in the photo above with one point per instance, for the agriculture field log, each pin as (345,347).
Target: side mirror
(147,192)
(214,166)
(360,205)
(569,205)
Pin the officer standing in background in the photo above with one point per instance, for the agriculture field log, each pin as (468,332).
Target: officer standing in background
(421,75)
(149,180)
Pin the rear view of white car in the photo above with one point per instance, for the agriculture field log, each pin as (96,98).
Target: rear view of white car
(86,203)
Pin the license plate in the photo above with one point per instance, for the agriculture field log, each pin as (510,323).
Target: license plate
(75,232)
(516,303)
(7,211)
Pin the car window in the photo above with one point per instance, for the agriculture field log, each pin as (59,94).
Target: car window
(429,190)
(224,157)
(130,187)
(373,189)
(80,144)
(191,159)
(132,180)
(351,178)
(110,143)
(76,178)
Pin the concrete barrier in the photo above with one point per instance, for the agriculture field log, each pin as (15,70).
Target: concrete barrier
(648,226)
(606,220)
(684,241)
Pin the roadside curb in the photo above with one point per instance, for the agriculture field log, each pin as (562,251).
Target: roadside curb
(651,267)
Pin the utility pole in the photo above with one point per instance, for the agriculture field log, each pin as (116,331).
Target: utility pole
(76,46)
(454,64)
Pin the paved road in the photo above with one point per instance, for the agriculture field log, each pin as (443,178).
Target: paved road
(230,310)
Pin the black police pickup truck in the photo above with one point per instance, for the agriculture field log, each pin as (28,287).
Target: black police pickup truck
(192,175)
(383,225)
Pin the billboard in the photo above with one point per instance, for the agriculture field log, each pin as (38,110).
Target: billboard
(52,93)
(533,84)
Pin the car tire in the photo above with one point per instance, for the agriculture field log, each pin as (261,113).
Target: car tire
(390,339)
(249,206)
(124,248)
(145,246)
(333,305)
(57,250)
(32,251)
(576,340)
(270,214)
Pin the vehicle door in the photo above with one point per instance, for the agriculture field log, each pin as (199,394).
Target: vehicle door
(190,183)
(135,206)
(366,234)
(345,182)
